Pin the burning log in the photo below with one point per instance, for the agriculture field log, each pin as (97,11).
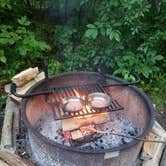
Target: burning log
(25,76)
(77,122)
(77,135)
(83,135)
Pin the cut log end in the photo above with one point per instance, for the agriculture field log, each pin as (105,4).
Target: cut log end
(25,76)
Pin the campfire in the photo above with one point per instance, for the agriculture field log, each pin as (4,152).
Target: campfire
(81,129)
(81,112)
(77,114)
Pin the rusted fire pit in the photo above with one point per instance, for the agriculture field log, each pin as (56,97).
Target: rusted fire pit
(60,137)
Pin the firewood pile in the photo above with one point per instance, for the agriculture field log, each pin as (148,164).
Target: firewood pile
(151,154)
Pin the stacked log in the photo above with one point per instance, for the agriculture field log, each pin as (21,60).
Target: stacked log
(152,152)
(10,159)
(24,81)
(25,76)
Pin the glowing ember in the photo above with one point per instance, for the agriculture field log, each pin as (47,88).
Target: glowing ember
(67,134)
(86,129)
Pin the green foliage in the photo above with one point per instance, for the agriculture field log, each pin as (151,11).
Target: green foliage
(23,21)
(54,67)
(2,104)
(121,36)
(127,35)
(157,90)
(19,47)
(124,36)
(5,4)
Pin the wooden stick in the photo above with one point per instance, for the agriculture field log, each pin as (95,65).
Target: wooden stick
(25,76)
(13,159)
(6,139)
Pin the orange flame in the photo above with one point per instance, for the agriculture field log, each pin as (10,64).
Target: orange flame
(78,94)
(87,109)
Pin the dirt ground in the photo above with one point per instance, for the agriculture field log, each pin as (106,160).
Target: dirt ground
(161,118)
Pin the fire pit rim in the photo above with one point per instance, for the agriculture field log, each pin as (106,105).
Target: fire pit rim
(75,149)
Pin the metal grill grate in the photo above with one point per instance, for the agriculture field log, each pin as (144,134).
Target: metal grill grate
(58,93)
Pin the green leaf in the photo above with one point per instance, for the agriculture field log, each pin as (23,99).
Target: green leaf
(91,33)
(117,36)
(159,57)
(91,26)
(24,21)
(2,56)
(22,50)
(109,33)
(102,31)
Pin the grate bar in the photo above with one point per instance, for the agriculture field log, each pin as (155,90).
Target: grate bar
(64,92)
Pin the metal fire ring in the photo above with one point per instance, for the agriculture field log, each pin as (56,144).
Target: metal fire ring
(74,149)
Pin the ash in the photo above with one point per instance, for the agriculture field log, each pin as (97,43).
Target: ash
(52,129)
(118,124)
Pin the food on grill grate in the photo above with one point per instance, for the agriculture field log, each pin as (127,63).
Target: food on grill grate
(72,104)
(99,100)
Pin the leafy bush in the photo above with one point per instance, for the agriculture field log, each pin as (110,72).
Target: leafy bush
(123,35)
(19,47)
(157,90)
(118,36)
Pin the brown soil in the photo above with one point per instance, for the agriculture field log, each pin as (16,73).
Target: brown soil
(161,118)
